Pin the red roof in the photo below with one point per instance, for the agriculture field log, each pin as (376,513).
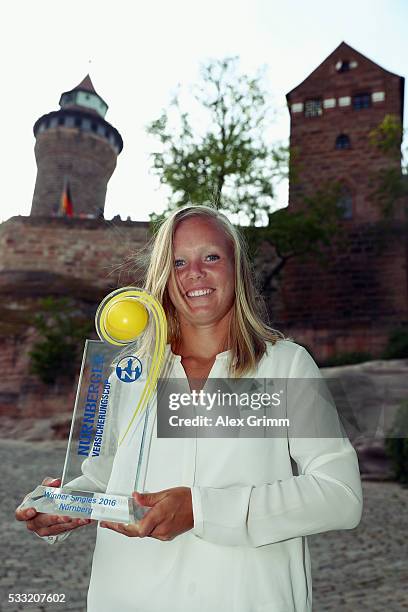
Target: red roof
(86,85)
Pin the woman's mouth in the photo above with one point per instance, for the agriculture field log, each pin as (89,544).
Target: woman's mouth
(199,292)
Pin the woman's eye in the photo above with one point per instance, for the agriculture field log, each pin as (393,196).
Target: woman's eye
(178,263)
(212,257)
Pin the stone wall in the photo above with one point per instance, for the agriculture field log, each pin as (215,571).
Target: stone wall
(42,256)
(354,301)
(83,158)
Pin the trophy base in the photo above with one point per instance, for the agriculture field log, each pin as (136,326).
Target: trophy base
(85,504)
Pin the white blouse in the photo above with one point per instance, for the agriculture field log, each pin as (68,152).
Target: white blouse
(248,550)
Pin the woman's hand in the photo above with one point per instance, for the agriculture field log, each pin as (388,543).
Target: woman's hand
(170,514)
(48,524)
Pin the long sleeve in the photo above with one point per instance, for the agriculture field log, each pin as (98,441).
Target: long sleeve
(326,494)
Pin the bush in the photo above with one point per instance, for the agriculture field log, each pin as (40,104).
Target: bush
(397,347)
(397,447)
(345,359)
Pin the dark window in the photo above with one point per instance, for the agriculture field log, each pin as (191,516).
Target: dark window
(78,122)
(344,66)
(313,108)
(61,120)
(68,98)
(345,203)
(94,127)
(361,101)
(69,121)
(342,141)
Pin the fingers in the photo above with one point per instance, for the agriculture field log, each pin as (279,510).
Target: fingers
(28,513)
(62,525)
(150,499)
(150,521)
(130,530)
(141,529)
(24,515)
(51,482)
(162,532)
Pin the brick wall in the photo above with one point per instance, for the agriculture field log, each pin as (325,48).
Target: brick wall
(82,251)
(83,259)
(313,139)
(353,302)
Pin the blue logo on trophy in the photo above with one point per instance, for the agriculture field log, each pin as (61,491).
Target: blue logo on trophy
(129,369)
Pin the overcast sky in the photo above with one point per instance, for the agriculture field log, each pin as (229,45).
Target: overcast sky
(137,52)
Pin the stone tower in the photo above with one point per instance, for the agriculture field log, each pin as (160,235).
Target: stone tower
(332,114)
(361,294)
(75,146)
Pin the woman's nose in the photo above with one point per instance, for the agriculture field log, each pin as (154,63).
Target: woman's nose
(196,270)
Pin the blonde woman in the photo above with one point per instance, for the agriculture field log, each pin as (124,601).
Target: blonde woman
(229,520)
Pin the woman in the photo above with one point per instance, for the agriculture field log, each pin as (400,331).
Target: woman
(229,519)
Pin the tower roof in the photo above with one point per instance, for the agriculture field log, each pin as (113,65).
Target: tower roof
(86,85)
(84,97)
(325,78)
(326,69)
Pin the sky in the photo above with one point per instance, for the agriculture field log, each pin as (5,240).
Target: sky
(138,52)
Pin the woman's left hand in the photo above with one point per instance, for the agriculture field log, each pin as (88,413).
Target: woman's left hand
(170,514)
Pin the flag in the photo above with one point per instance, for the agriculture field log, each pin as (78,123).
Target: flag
(66,201)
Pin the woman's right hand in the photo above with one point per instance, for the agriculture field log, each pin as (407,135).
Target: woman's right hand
(48,524)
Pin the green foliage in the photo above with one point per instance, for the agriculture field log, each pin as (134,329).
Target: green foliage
(309,231)
(228,163)
(390,183)
(387,136)
(232,165)
(346,358)
(396,446)
(61,331)
(397,347)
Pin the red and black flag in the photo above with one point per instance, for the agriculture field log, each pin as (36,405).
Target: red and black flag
(66,209)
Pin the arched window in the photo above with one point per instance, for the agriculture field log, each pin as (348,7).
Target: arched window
(342,142)
(345,203)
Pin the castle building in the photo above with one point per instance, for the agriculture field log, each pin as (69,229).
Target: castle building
(82,256)
(333,111)
(77,146)
(353,302)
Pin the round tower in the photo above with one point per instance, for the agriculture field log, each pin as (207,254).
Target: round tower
(76,152)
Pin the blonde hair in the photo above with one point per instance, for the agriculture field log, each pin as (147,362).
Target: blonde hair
(248,332)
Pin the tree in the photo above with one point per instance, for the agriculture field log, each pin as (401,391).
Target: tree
(390,183)
(230,162)
(61,332)
(308,232)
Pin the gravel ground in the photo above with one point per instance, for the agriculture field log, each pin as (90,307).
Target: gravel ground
(365,569)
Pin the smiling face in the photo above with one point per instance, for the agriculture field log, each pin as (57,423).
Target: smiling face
(204,272)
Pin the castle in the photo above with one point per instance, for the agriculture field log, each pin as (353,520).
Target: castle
(351,305)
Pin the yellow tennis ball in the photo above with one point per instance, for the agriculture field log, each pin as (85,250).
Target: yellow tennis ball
(125,320)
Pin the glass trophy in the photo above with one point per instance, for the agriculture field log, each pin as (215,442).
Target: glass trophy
(117,382)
